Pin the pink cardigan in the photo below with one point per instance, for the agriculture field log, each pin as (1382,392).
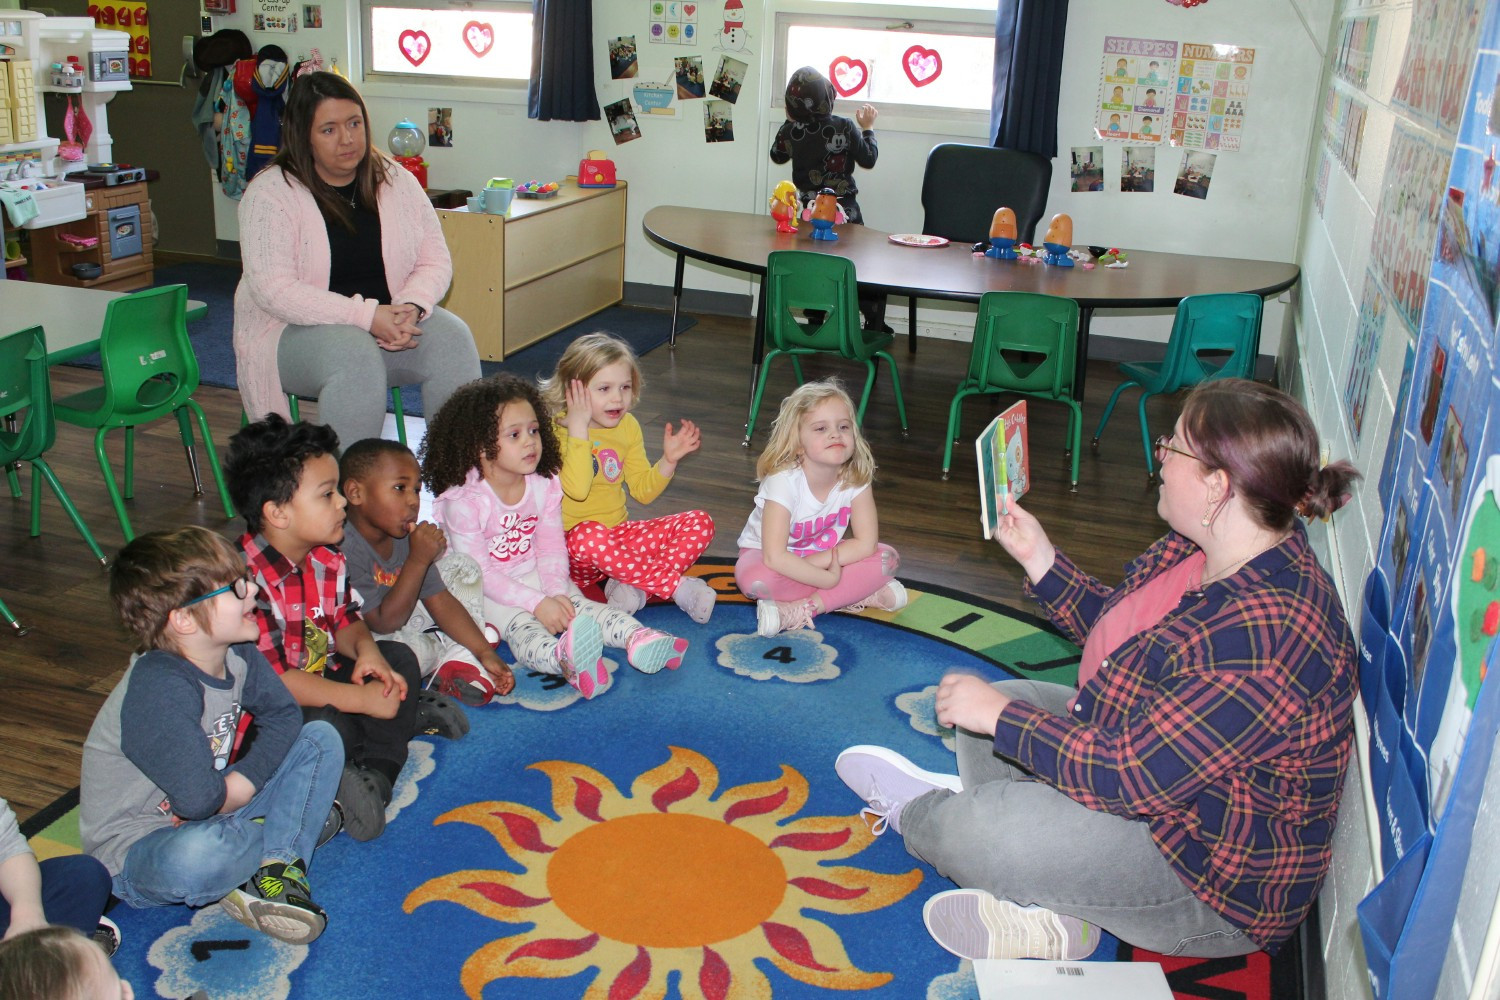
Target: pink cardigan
(284,250)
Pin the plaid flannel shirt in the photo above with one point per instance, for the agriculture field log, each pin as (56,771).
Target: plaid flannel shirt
(1227,727)
(298,606)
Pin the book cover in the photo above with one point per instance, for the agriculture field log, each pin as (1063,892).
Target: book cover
(1004,463)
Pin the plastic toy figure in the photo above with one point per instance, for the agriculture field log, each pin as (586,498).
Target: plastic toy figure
(784,207)
(824,213)
(1059,240)
(1002,235)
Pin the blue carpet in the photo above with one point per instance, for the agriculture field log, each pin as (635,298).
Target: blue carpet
(213,335)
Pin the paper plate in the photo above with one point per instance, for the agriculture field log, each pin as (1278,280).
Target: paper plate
(918,240)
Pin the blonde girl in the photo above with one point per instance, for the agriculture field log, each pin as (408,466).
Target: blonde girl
(596,384)
(812,544)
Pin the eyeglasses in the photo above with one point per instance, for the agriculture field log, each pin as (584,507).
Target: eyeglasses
(1164,445)
(240,586)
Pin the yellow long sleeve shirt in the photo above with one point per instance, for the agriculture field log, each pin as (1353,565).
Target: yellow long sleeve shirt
(596,472)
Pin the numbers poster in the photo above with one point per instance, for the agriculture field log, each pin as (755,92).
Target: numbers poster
(1213,89)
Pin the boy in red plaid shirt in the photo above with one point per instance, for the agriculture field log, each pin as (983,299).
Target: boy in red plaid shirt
(284,479)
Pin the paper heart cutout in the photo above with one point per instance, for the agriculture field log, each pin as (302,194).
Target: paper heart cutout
(479,36)
(690,9)
(848,75)
(415,46)
(922,66)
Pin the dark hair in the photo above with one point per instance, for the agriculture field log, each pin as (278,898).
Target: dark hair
(1266,444)
(265,461)
(44,962)
(305,95)
(161,571)
(362,456)
(466,428)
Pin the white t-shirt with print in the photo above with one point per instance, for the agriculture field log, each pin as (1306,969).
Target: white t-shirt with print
(816,525)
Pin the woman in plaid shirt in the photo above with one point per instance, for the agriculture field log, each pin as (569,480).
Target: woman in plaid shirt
(1184,797)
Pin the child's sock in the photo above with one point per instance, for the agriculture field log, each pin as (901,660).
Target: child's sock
(580,656)
(696,598)
(649,650)
(624,597)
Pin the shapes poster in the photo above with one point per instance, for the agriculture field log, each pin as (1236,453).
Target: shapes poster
(1135,88)
(673,22)
(1213,90)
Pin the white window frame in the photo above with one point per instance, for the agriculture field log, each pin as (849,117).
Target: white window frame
(906,116)
(438,87)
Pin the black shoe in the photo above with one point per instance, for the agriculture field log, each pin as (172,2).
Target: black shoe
(363,795)
(332,824)
(278,903)
(440,715)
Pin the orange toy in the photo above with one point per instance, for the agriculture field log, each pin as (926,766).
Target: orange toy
(1059,240)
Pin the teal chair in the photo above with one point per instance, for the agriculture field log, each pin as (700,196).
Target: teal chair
(1024,343)
(27,429)
(803,280)
(1214,336)
(150,372)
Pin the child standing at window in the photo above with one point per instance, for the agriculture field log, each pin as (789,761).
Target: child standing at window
(492,460)
(795,559)
(596,383)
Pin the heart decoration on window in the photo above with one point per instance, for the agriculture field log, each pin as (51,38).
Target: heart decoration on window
(922,65)
(848,75)
(415,46)
(479,37)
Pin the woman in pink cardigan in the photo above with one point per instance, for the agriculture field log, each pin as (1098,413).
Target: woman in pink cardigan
(344,264)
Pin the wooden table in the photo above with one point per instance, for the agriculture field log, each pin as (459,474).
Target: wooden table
(741,240)
(72,317)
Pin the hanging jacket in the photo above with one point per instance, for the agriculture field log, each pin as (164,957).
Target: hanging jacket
(233,117)
(269,84)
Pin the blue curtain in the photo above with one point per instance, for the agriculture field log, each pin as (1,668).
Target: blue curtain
(562,65)
(1028,74)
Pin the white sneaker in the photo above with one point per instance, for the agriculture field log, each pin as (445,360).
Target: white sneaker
(887,781)
(973,924)
(775,617)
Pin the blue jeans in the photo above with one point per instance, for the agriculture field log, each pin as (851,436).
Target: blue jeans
(201,861)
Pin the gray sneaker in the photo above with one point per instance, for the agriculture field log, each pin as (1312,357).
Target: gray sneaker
(973,924)
(887,781)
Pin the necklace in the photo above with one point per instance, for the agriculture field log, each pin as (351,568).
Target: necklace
(1233,568)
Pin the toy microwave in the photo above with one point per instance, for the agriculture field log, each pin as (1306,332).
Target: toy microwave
(595,171)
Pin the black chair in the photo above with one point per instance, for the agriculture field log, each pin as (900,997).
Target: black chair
(963,185)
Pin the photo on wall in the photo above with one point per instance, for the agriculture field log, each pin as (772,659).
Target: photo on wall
(729,79)
(689,76)
(623,64)
(1087,168)
(718,121)
(1138,169)
(622,123)
(439,126)
(1193,179)
(312,15)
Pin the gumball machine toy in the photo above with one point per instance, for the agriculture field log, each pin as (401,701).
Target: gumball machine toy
(407,142)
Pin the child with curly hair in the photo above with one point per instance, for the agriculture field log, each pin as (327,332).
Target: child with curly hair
(492,462)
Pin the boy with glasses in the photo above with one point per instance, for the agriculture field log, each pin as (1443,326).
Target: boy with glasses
(165,805)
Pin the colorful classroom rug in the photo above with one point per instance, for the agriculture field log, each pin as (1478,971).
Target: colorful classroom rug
(681,835)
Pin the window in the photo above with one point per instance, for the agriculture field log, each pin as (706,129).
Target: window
(934,69)
(480,41)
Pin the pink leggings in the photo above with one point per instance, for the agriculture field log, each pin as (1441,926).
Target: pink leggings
(650,555)
(857,582)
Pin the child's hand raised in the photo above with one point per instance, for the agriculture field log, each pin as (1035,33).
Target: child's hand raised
(555,613)
(676,445)
(865,116)
(579,412)
(428,543)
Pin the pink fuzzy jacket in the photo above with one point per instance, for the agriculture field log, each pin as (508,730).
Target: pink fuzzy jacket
(284,250)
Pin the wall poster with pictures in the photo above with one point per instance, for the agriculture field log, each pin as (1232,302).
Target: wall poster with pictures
(1213,89)
(1135,88)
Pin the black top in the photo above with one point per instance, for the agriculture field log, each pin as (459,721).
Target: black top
(357,265)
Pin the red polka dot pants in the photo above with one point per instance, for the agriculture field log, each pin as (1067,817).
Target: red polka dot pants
(650,555)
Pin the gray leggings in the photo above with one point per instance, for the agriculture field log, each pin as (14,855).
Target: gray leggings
(1021,839)
(346,371)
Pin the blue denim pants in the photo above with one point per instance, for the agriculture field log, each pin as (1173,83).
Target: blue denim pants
(201,861)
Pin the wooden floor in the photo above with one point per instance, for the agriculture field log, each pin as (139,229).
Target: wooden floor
(54,679)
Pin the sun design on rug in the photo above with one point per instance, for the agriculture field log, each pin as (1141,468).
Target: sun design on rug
(668,879)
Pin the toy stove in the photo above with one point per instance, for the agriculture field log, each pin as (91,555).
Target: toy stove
(115,174)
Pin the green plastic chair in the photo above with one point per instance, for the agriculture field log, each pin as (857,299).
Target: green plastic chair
(1024,343)
(801,279)
(1213,336)
(27,429)
(150,371)
(295,406)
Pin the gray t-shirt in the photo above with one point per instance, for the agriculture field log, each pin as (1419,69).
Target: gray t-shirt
(373,577)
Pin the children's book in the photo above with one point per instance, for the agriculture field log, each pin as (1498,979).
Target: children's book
(1004,463)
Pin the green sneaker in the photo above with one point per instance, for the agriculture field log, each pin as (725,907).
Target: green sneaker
(277,902)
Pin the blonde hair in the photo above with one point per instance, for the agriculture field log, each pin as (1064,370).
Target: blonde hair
(582,361)
(784,449)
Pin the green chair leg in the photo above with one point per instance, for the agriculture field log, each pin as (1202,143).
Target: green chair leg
(10,620)
(760,388)
(1075,435)
(1146,439)
(864,397)
(1108,409)
(14,480)
(185,431)
(400,414)
(293,404)
(111,485)
(39,467)
(896,388)
(129,464)
(213,457)
(955,416)
(797,367)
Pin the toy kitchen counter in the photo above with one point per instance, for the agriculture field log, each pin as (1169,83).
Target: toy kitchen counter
(115,235)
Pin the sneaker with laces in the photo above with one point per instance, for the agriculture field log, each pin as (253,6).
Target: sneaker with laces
(440,715)
(464,681)
(362,798)
(887,781)
(649,650)
(973,924)
(891,597)
(277,902)
(624,597)
(775,617)
(580,656)
(107,935)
